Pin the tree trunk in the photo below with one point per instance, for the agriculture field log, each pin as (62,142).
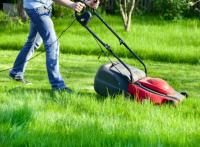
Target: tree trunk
(126,9)
(21,11)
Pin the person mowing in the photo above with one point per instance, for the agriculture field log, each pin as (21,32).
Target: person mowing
(41,26)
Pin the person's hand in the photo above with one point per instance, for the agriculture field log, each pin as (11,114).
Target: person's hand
(78,6)
(92,3)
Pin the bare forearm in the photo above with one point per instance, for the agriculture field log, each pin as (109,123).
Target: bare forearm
(78,6)
(66,3)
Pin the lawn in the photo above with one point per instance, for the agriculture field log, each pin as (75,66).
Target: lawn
(31,115)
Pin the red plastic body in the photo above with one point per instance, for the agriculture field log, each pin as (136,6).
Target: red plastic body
(156,90)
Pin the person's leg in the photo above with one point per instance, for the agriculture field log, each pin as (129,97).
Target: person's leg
(33,42)
(44,25)
(36,44)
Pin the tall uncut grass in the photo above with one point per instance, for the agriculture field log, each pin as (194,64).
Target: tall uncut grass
(31,115)
(150,38)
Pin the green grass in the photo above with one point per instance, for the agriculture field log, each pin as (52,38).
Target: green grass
(150,38)
(33,116)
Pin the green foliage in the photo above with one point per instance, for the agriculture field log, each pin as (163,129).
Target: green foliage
(9,1)
(192,12)
(8,22)
(60,11)
(4,18)
(168,9)
(171,9)
(110,6)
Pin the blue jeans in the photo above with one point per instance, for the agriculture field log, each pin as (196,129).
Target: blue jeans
(41,25)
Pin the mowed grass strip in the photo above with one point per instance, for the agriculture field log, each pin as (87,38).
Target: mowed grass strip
(150,37)
(34,116)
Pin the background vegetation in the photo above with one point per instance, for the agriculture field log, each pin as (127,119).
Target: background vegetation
(167,9)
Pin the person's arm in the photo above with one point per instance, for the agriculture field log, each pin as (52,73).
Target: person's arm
(92,3)
(77,6)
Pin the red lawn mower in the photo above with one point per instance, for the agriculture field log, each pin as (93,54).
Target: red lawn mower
(117,77)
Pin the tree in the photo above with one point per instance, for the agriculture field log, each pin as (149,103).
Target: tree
(126,9)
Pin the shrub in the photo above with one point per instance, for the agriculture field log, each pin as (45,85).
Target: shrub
(4,18)
(9,1)
(110,6)
(171,9)
(60,11)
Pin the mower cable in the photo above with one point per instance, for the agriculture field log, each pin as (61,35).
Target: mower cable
(42,52)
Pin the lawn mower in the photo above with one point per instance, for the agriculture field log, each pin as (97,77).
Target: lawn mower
(118,77)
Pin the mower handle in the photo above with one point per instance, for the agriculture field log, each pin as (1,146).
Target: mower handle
(121,41)
(84,18)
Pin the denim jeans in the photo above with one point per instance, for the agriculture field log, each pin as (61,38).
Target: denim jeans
(41,25)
